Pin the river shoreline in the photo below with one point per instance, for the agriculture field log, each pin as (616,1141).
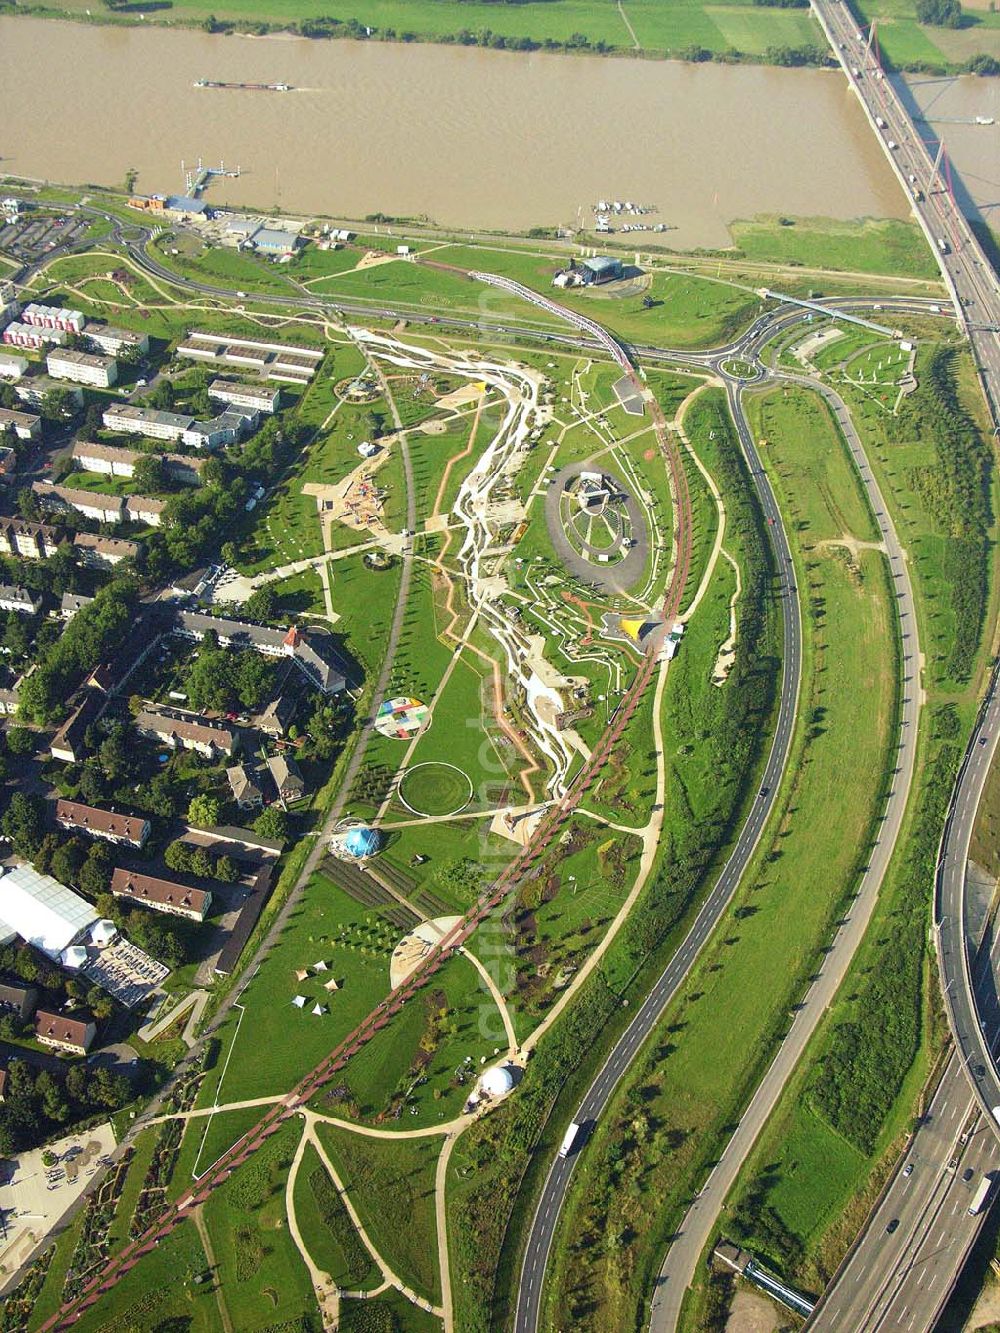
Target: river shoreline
(467,137)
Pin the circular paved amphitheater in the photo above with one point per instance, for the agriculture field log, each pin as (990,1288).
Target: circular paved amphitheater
(624,569)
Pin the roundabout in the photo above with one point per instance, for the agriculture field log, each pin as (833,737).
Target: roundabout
(435,789)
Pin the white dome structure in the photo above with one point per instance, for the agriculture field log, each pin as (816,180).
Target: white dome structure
(496,1082)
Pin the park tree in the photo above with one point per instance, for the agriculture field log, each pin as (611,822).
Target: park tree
(262,604)
(150,474)
(100,1004)
(77,1080)
(15,637)
(941,13)
(163,396)
(57,404)
(51,1093)
(114,753)
(178,856)
(109,1089)
(23,824)
(94,874)
(27,504)
(201,862)
(204,810)
(20,741)
(67,860)
(91,785)
(253,679)
(44,853)
(272,823)
(226,870)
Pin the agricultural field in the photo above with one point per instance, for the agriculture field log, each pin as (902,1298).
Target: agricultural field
(685,29)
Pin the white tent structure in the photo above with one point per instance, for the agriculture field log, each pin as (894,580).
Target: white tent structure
(42,911)
(103,933)
(318,1009)
(299,1001)
(496,1082)
(74,957)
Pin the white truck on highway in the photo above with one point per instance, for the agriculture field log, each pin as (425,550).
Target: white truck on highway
(943,245)
(570,1139)
(982,1194)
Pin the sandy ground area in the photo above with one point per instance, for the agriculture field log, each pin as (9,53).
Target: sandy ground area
(752,1313)
(33,1198)
(413,948)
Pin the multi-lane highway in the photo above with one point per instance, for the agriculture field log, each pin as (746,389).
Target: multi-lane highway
(903,1266)
(971,280)
(965,1015)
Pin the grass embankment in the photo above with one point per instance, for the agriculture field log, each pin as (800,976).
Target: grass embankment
(391,1184)
(499,1163)
(657,1140)
(871,246)
(826,1149)
(937,462)
(684,27)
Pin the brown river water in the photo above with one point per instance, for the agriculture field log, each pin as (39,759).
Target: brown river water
(467,138)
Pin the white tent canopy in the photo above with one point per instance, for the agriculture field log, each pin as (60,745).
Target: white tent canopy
(43,911)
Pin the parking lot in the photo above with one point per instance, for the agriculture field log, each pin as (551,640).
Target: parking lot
(34,1197)
(34,235)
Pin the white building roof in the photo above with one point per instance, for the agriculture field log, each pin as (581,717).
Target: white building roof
(41,910)
(74,957)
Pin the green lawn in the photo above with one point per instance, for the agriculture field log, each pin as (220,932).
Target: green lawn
(365,600)
(50,1297)
(296,1039)
(215,1135)
(391,1184)
(333,1243)
(461,858)
(144,1147)
(456,1017)
(463,732)
(159,1291)
(263,1278)
(390,1311)
(819,502)
(301,594)
(224,267)
(870,246)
